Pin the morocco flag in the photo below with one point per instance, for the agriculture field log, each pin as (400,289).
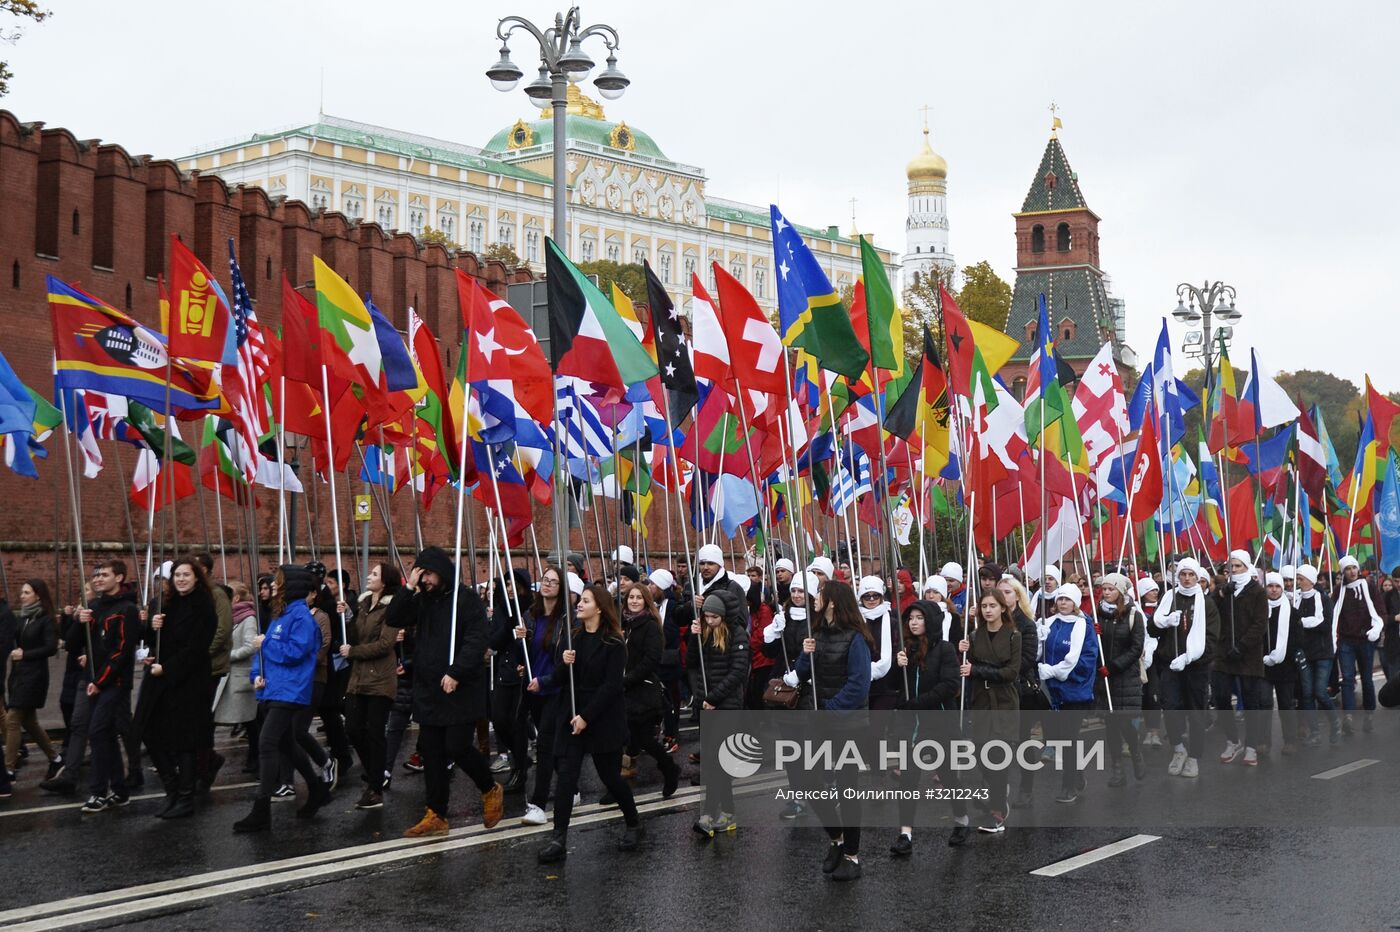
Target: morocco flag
(587,337)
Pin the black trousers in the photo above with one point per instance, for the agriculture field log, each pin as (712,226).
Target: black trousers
(840,819)
(330,706)
(109,707)
(509,717)
(1286,692)
(552,718)
(176,769)
(456,743)
(1063,724)
(277,741)
(1253,695)
(366,722)
(301,734)
(1183,696)
(642,737)
(608,764)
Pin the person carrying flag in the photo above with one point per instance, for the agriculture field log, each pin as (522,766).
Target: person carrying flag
(1244,626)
(1357,625)
(1187,628)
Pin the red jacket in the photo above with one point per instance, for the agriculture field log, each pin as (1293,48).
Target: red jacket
(758,623)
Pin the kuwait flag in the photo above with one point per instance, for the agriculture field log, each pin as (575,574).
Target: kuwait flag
(587,337)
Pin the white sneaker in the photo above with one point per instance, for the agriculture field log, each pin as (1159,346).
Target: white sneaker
(1191,769)
(1153,740)
(1178,761)
(534,815)
(1251,758)
(1233,750)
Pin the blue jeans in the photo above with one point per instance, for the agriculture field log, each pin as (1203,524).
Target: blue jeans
(1314,679)
(1357,659)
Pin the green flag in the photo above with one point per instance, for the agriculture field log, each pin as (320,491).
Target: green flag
(886,329)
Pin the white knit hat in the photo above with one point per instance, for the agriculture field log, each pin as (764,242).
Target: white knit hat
(624,554)
(1145,585)
(662,578)
(1243,556)
(710,553)
(1288,572)
(1187,563)
(871,584)
(576,584)
(1309,572)
(1348,562)
(785,564)
(807,582)
(1117,581)
(822,565)
(951,571)
(1053,572)
(1274,579)
(937,584)
(1069,591)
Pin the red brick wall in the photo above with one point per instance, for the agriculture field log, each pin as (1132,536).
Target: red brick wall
(127,207)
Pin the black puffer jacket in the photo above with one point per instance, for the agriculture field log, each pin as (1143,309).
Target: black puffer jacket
(934,682)
(28,686)
(173,712)
(1244,624)
(429,615)
(641,681)
(726,671)
(1120,640)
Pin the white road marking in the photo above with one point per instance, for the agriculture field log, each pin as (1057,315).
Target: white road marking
(1345,769)
(177,892)
(1060,868)
(6,813)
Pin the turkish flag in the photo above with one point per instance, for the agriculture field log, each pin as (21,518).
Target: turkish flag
(1145,487)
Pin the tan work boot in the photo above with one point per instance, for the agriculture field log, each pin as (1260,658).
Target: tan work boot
(492,802)
(431,824)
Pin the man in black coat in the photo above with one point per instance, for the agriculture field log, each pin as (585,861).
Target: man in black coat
(449,683)
(115,628)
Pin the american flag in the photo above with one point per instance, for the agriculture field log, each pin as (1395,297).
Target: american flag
(241,383)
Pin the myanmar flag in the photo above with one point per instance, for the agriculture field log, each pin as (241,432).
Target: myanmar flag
(587,337)
(346,320)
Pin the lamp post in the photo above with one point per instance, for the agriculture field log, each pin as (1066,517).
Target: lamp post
(562,62)
(1205,305)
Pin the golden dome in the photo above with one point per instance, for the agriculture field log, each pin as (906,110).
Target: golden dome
(927,165)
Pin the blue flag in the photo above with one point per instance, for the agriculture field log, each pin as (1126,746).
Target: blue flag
(1388,517)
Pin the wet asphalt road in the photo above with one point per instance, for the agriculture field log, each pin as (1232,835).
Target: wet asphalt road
(348,870)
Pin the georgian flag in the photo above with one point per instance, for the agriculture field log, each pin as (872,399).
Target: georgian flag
(1099,407)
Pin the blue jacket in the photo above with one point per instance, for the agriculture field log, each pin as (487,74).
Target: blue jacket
(289,656)
(1078,686)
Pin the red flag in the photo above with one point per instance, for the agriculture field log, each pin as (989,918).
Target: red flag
(958,336)
(1244,521)
(1383,411)
(755,350)
(198,327)
(301,337)
(1145,487)
(709,349)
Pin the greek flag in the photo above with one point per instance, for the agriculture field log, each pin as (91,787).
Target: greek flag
(848,485)
(584,432)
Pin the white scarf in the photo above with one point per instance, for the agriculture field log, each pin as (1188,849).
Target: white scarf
(1285,613)
(1241,580)
(1357,585)
(1314,616)
(880,615)
(1196,636)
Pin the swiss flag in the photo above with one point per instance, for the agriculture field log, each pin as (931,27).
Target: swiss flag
(1145,487)
(755,351)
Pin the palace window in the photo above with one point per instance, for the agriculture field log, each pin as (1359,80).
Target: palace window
(505,234)
(760,281)
(415,222)
(384,216)
(639,253)
(447,226)
(736,268)
(1037,238)
(532,245)
(1062,238)
(663,265)
(689,263)
(476,232)
(587,247)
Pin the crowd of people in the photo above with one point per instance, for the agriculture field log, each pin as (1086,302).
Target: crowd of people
(561,667)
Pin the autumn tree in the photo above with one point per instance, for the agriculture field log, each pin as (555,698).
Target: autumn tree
(984,296)
(502,253)
(22,9)
(630,277)
(429,236)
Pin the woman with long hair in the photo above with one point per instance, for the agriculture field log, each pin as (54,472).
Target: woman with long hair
(718,661)
(510,596)
(1068,667)
(369,695)
(933,686)
(595,662)
(236,704)
(641,682)
(173,714)
(36,640)
(284,666)
(541,634)
(836,658)
(783,642)
(1121,631)
(1031,697)
(990,666)
(761,614)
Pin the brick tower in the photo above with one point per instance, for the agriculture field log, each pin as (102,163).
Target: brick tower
(1057,255)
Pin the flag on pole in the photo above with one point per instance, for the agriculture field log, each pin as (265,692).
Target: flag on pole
(199,324)
(810,313)
(587,337)
(348,325)
(755,351)
(672,355)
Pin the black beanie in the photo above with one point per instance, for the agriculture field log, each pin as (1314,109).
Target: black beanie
(297,583)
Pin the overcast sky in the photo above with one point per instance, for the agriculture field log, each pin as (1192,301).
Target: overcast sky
(1251,142)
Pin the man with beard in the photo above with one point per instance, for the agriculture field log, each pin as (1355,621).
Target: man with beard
(449,684)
